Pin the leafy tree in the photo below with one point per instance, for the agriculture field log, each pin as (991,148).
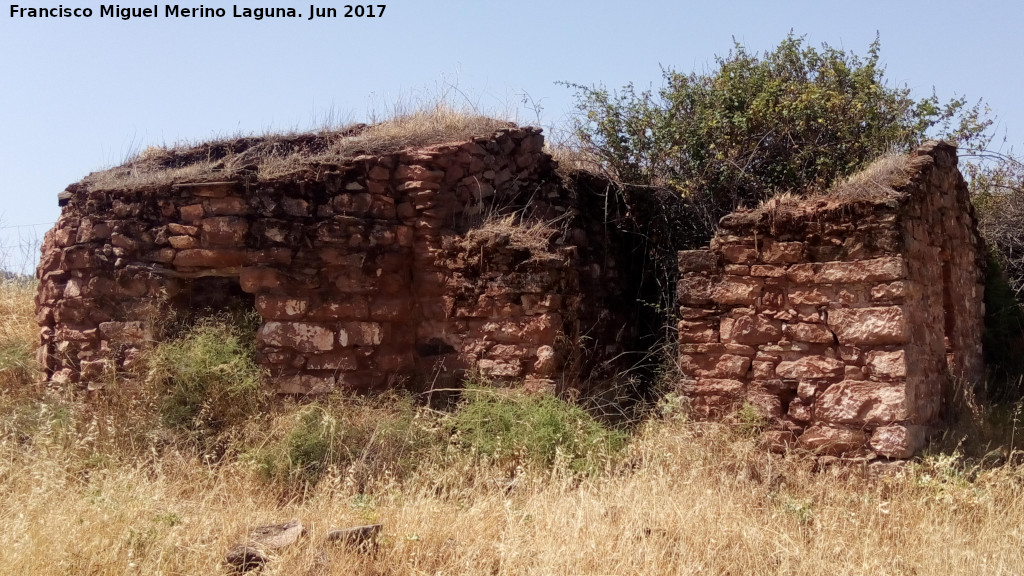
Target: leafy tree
(796,118)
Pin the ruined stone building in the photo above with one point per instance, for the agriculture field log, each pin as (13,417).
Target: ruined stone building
(366,270)
(841,317)
(845,317)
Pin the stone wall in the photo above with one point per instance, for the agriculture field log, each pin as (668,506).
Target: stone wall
(840,317)
(365,273)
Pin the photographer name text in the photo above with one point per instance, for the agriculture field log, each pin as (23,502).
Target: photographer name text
(177,11)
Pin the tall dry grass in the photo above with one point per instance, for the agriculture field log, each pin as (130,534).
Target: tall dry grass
(684,498)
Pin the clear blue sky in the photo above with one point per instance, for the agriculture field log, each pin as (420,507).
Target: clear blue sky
(77,95)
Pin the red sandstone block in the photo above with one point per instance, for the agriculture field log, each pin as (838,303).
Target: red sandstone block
(534,304)
(717,348)
(92,369)
(417,172)
(733,290)
(382,208)
(799,411)
(884,269)
(281,256)
(412,185)
(223,231)
(182,230)
(79,258)
(533,330)
(782,252)
(862,403)
(752,329)
(763,370)
(352,204)
(76,335)
(801,273)
(392,361)
(390,308)
(209,258)
(89,231)
(192,213)
(694,291)
(499,368)
(739,254)
(869,326)
(65,235)
(886,364)
(810,367)
(360,334)
(768,404)
(766,271)
(803,332)
(119,240)
(349,307)
(295,207)
(229,206)
(49,262)
(78,311)
(258,279)
(898,441)
(134,332)
(831,440)
(716,387)
(281,307)
(730,366)
(379,172)
(532,143)
(382,236)
(300,336)
(697,331)
(812,297)
(694,313)
(305,384)
(893,292)
(340,361)
(183,242)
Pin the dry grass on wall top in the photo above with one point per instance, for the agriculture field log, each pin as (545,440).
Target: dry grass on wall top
(510,230)
(278,155)
(878,182)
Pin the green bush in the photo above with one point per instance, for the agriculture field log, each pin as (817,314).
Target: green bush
(794,119)
(512,427)
(207,377)
(365,439)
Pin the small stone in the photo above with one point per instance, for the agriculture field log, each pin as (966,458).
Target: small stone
(245,558)
(832,441)
(778,441)
(358,536)
(276,536)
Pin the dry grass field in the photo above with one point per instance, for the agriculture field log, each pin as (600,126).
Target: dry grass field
(108,484)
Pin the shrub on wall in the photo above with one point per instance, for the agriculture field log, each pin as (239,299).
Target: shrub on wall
(796,118)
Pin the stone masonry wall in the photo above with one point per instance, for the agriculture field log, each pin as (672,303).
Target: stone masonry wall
(843,318)
(362,272)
